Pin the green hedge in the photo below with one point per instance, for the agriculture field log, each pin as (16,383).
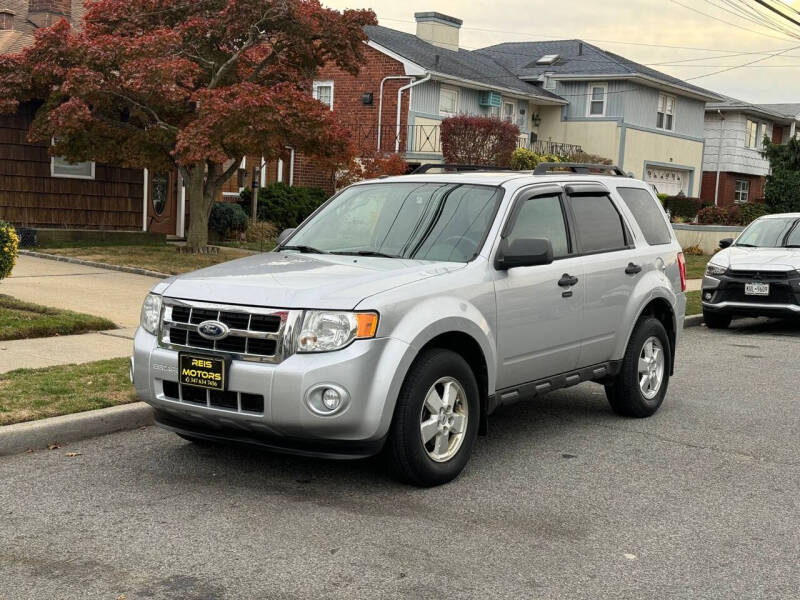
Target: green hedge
(227,218)
(682,206)
(284,206)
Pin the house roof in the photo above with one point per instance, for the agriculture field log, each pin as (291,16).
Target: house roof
(762,110)
(580,60)
(791,111)
(464,65)
(21,36)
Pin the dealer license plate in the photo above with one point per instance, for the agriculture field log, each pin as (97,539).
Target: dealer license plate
(202,371)
(756,289)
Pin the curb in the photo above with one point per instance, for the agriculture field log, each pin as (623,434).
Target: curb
(693,321)
(96,265)
(19,438)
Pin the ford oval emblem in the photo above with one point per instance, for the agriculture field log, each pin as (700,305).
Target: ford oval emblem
(213,330)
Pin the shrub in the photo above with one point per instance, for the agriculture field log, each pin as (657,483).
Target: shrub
(592,159)
(523,159)
(693,251)
(371,167)
(712,215)
(284,206)
(478,141)
(734,215)
(682,206)
(9,249)
(227,218)
(782,191)
(750,212)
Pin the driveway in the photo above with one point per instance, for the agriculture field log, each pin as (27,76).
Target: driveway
(111,294)
(562,500)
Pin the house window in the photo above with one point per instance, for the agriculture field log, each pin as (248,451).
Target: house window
(597,100)
(751,134)
(494,112)
(508,111)
(666,111)
(323,91)
(742,194)
(448,102)
(61,167)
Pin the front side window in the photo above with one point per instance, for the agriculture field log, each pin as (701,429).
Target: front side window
(323,91)
(648,214)
(598,224)
(430,221)
(542,218)
(665,118)
(742,193)
(448,102)
(597,99)
(751,134)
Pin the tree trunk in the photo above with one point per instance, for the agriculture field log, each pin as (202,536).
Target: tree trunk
(200,204)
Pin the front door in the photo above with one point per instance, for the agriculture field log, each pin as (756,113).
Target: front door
(539,319)
(162,206)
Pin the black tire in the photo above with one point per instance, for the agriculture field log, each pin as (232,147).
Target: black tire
(406,453)
(625,394)
(716,320)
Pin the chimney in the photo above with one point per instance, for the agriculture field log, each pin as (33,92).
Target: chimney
(6,19)
(438,29)
(44,13)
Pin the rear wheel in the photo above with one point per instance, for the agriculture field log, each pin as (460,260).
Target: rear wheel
(716,320)
(436,420)
(641,385)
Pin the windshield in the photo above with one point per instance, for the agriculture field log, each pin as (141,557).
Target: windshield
(424,221)
(771,233)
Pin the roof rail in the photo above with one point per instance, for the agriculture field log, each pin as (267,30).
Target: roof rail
(578,168)
(457,168)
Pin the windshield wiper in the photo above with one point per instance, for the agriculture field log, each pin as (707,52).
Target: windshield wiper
(792,246)
(303,249)
(746,245)
(366,253)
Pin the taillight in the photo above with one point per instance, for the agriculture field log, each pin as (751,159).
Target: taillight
(682,267)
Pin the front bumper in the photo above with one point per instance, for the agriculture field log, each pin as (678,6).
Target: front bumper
(367,370)
(724,294)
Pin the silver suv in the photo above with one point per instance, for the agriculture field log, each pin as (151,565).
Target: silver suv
(405,311)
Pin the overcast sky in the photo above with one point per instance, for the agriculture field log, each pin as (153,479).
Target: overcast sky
(662,22)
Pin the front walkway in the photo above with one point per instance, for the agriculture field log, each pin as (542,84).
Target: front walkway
(110,294)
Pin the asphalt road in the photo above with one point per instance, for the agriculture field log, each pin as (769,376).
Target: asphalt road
(563,500)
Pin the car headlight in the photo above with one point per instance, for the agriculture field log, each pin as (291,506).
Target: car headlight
(715,270)
(324,330)
(151,313)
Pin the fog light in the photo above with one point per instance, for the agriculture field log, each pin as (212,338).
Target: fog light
(708,296)
(331,399)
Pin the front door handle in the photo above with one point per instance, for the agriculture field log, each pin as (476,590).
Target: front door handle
(633,269)
(567,280)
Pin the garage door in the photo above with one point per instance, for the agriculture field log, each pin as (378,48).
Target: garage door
(668,181)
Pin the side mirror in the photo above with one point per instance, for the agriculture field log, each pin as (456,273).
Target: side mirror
(284,235)
(524,252)
(725,243)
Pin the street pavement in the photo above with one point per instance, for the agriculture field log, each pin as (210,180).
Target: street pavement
(111,294)
(562,500)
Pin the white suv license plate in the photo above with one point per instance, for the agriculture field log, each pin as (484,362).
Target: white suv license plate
(756,289)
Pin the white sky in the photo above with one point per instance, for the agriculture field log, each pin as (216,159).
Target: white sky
(663,22)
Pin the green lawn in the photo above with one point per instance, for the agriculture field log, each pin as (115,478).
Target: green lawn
(163,259)
(694,304)
(31,394)
(696,266)
(22,320)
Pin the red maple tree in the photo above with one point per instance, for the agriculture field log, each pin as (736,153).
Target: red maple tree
(189,84)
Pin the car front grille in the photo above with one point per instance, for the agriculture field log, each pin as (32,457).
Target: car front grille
(233,401)
(256,334)
(759,275)
(778,294)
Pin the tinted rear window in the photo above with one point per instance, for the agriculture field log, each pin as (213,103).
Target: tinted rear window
(648,214)
(598,224)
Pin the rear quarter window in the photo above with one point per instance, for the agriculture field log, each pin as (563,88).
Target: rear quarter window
(648,214)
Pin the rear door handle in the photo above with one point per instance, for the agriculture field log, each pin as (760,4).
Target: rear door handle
(633,269)
(567,280)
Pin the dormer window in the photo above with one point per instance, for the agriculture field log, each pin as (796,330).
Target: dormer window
(548,59)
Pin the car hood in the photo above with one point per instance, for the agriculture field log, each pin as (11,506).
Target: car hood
(758,259)
(291,280)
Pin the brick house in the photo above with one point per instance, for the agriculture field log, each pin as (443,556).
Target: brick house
(734,171)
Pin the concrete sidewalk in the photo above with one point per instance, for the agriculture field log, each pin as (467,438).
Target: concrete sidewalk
(110,294)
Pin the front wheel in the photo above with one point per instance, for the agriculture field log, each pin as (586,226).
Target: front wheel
(641,385)
(435,421)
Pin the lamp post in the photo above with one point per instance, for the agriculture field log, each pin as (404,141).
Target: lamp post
(254,199)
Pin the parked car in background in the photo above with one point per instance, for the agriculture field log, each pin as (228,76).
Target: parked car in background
(757,275)
(404,311)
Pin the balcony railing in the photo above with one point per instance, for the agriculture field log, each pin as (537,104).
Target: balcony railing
(426,139)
